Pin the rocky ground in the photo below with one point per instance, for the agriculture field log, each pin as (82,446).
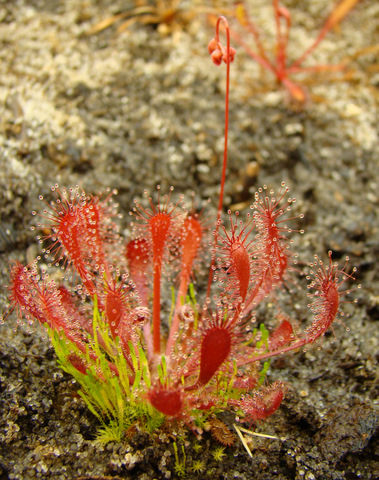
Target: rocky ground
(143,107)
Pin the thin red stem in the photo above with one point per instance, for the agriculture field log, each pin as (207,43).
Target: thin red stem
(282,38)
(309,50)
(226,129)
(157,307)
(225,158)
(250,26)
(299,343)
(262,60)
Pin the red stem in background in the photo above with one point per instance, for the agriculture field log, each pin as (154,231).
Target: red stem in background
(282,38)
(339,12)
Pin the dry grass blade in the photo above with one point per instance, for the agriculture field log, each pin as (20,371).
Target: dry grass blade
(370,50)
(106,23)
(169,14)
(339,13)
(238,430)
(263,435)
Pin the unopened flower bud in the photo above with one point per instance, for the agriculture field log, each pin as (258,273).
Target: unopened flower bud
(232,53)
(217,57)
(212,46)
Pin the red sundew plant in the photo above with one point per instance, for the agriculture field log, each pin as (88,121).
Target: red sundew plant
(280,66)
(106,326)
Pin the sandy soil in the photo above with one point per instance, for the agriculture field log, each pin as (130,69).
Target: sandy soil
(144,107)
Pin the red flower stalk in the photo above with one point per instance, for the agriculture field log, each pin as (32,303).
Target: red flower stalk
(220,53)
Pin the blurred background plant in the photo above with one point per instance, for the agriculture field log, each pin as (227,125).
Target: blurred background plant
(280,65)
